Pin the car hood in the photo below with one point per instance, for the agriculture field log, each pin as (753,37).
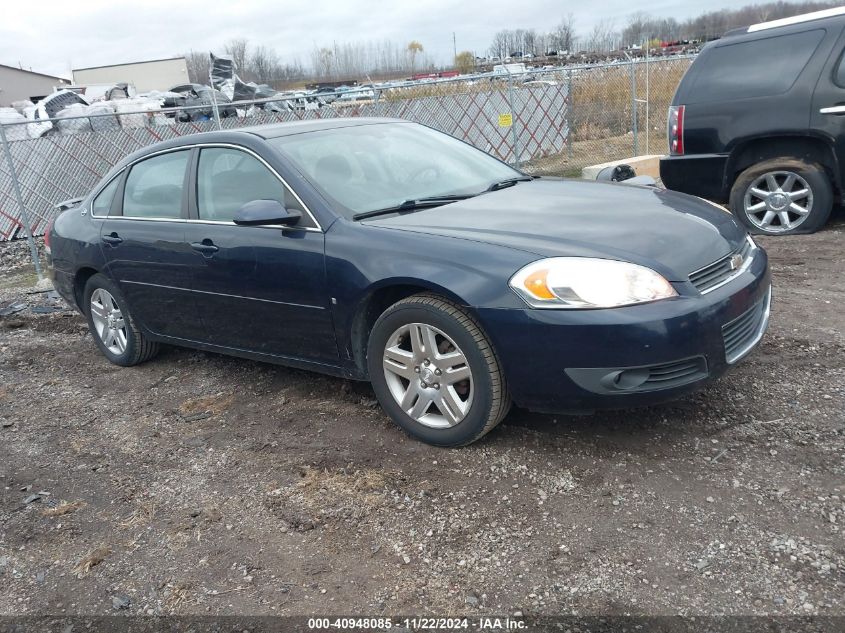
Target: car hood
(670,232)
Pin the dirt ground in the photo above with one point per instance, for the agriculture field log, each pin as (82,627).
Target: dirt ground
(200,484)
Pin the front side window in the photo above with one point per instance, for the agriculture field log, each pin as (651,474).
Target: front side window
(374,166)
(154,187)
(102,203)
(229,178)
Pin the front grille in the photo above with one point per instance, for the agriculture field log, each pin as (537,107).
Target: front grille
(743,333)
(722,270)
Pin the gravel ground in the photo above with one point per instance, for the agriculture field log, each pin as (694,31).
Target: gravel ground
(200,484)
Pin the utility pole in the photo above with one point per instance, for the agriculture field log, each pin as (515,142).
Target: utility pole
(454,47)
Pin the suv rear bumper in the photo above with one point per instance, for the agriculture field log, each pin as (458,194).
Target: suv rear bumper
(701,175)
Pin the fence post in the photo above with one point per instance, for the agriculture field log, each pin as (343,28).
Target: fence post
(634,108)
(24,216)
(571,96)
(513,118)
(214,99)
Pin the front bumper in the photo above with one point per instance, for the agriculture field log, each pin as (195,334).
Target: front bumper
(575,360)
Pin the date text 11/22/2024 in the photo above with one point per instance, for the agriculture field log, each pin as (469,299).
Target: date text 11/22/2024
(416,624)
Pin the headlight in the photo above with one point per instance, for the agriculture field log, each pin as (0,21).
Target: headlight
(586,282)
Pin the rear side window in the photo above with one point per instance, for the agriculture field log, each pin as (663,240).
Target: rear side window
(228,178)
(102,203)
(760,68)
(154,187)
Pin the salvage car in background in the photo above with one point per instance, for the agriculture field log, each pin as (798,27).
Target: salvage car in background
(382,250)
(758,122)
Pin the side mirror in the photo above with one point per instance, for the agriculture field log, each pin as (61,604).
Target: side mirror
(266,212)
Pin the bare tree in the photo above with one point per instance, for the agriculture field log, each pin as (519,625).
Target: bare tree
(499,47)
(603,36)
(198,66)
(263,64)
(564,34)
(237,50)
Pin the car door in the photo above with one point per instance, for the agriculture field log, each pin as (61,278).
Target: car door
(143,242)
(828,111)
(258,288)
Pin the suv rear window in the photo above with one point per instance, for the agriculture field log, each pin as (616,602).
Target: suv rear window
(759,68)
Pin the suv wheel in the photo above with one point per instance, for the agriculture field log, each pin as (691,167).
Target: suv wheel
(113,328)
(435,373)
(782,196)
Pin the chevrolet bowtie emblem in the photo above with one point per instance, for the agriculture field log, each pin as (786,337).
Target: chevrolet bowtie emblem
(736,261)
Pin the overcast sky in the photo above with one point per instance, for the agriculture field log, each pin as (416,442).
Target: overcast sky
(53,36)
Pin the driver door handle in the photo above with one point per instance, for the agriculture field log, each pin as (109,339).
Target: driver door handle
(112,239)
(837,109)
(206,247)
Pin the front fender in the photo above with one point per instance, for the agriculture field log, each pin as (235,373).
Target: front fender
(363,260)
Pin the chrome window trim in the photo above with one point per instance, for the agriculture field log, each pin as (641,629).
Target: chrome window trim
(735,274)
(796,19)
(318,228)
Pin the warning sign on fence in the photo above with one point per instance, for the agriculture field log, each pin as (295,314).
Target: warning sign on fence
(506,119)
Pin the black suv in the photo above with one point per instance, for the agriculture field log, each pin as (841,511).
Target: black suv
(758,122)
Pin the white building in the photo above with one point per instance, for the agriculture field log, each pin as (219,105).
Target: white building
(156,74)
(17,84)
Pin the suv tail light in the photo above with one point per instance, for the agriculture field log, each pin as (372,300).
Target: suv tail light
(675,130)
(47,236)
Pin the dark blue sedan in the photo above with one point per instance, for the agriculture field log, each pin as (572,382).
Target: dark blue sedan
(383,250)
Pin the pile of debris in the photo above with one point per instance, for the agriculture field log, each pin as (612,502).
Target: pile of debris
(104,107)
(258,96)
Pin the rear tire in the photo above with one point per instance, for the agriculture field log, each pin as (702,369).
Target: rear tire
(782,196)
(453,389)
(112,326)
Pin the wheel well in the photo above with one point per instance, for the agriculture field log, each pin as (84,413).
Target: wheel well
(79,281)
(371,309)
(802,147)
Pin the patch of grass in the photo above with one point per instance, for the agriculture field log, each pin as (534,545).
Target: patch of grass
(21,278)
(63,508)
(214,404)
(90,560)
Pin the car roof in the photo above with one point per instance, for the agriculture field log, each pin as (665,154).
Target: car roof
(276,130)
(796,20)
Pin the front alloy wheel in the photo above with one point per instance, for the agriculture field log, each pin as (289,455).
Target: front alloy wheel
(428,375)
(435,372)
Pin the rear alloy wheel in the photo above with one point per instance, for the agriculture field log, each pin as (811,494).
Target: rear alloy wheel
(108,320)
(434,371)
(113,328)
(782,196)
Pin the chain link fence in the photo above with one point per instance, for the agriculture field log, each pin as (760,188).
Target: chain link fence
(551,122)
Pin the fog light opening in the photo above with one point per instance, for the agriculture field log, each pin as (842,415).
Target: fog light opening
(631,378)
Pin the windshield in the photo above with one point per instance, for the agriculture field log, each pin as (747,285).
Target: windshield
(370,167)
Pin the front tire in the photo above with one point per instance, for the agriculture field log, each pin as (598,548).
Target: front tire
(435,373)
(112,326)
(782,196)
